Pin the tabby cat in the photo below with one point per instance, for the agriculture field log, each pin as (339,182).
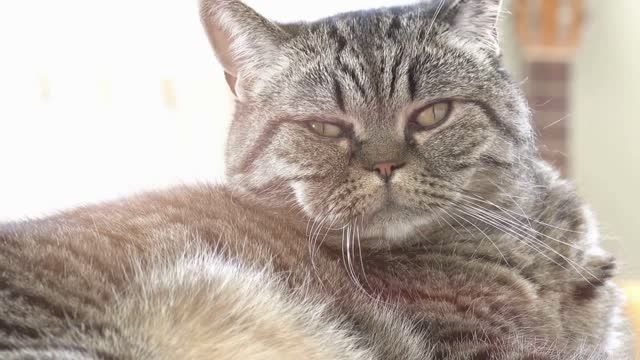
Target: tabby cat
(384,200)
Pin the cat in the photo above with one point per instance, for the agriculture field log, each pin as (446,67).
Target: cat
(384,200)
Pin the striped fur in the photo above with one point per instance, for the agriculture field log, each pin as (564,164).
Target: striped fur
(474,249)
(168,275)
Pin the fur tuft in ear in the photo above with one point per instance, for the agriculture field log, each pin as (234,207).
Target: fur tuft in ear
(246,44)
(474,21)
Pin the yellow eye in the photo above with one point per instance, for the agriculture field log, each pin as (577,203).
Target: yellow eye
(433,115)
(326,129)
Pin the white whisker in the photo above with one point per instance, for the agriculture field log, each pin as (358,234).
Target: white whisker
(521,225)
(498,222)
(486,237)
(435,16)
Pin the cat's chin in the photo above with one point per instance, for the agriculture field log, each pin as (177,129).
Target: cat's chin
(393,227)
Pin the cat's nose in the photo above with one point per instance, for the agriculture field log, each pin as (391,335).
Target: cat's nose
(386,168)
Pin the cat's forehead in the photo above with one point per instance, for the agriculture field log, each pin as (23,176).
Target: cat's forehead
(370,28)
(372,67)
(368,67)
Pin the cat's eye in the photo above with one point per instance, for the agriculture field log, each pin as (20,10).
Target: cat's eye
(326,129)
(433,115)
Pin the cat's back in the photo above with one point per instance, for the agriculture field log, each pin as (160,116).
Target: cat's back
(106,242)
(157,219)
(61,268)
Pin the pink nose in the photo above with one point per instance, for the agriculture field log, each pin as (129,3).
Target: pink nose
(386,169)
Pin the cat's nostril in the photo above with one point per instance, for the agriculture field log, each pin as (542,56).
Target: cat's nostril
(386,168)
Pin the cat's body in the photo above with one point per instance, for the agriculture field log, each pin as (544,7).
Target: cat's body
(458,244)
(168,275)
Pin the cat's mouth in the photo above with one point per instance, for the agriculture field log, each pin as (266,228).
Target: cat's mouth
(392,219)
(379,215)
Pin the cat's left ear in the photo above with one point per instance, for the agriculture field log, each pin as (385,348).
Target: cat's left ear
(246,44)
(475,22)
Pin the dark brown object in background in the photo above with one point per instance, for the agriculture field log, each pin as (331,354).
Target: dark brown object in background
(549,32)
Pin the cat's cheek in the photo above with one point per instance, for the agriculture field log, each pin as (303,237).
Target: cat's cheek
(342,197)
(329,160)
(299,191)
(341,157)
(313,199)
(420,138)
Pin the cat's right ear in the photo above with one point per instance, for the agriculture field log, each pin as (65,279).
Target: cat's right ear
(246,44)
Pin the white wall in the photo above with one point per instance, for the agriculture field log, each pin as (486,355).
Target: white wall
(103,98)
(605,145)
(99,99)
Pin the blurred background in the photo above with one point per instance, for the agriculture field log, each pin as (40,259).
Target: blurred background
(99,99)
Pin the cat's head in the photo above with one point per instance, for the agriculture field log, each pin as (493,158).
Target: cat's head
(385,117)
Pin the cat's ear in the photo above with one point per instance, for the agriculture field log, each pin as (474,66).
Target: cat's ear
(246,44)
(474,21)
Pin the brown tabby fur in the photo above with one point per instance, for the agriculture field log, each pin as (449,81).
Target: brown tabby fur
(139,279)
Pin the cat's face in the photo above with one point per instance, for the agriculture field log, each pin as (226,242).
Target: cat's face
(385,118)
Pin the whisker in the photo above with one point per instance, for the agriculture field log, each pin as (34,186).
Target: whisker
(494,220)
(435,16)
(513,200)
(480,199)
(523,226)
(312,253)
(486,237)
(316,235)
(364,273)
(524,242)
(458,222)
(326,234)
(348,264)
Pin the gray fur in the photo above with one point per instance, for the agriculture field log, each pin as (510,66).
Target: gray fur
(474,249)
